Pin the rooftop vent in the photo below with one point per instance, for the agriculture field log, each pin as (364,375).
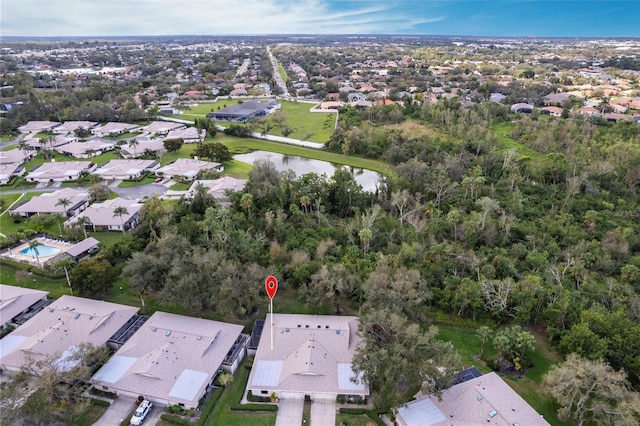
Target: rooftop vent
(168,333)
(76,316)
(337,331)
(286,330)
(319,326)
(199,337)
(50,309)
(154,329)
(493,414)
(479,397)
(306,326)
(90,317)
(299,326)
(326,326)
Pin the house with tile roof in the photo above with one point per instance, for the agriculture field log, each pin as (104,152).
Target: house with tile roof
(482,400)
(60,329)
(60,171)
(102,216)
(187,168)
(49,203)
(17,300)
(173,359)
(126,169)
(311,355)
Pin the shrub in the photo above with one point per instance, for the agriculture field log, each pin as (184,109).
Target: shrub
(255,398)
(355,411)
(254,407)
(100,402)
(206,411)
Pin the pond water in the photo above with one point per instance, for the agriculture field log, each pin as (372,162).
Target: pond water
(299,165)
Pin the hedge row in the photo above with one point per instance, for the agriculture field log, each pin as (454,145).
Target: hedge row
(356,411)
(100,402)
(254,407)
(208,408)
(375,416)
(255,398)
(175,419)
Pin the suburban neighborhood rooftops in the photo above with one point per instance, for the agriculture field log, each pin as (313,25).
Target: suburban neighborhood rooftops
(64,170)
(72,126)
(102,214)
(171,357)
(186,134)
(114,128)
(62,326)
(14,300)
(187,167)
(50,202)
(482,400)
(218,187)
(38,126)
(125,167)
(78,149)
(161,127)
(311,353)
(15,156)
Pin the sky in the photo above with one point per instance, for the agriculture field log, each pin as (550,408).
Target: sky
(541,18)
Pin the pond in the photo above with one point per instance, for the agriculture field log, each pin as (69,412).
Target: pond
(299,165)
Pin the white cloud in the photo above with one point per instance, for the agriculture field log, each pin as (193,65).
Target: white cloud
(169,17)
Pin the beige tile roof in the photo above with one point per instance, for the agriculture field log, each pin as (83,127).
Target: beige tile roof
(311,354)
(15,156)
(161,127)
(186,167)
(71,126)
(65,170)
(112,127)
(77,148)
(101,214)
(67,322)
(14,300)
(218,187)
(125,167)
(37,126)
(469,403)
(48,202)
(166,348)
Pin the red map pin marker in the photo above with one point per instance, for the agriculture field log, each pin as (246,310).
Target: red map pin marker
(271,285)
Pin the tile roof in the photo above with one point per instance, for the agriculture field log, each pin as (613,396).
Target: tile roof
(311,353)
(48,202)
(172,357)
(66,323)
(101,214)
(60,171)
(14,300)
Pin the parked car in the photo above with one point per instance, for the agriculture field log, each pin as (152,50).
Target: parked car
(141,413)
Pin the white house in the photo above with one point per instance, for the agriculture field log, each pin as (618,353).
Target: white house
(102,215)
(187,168)
(62,171)
(78,200)
(126,169)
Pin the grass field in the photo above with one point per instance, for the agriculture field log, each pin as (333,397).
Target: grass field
(282,72)
(308,126)
(506,142)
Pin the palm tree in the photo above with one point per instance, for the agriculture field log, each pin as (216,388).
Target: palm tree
(483,333)
(64,202)
(83,221)
(120,211)
(305,201)
(33,246)
(65,264)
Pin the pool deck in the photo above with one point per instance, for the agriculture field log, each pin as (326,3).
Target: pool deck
(14,253)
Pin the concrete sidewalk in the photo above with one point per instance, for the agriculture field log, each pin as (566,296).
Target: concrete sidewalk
(290,412)
(117,412)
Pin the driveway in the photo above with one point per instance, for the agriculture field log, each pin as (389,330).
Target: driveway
(290,412)
(117,411)
(323,412)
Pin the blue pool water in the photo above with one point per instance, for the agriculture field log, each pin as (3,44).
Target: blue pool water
(43,251)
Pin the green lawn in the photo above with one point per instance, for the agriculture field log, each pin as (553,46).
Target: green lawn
(144,181)
(180,186)
(89,417)
(506,142)
(282,72)
(309,126)
(122,136)
(7,225)
(56,288)
(353,420)
(222,414)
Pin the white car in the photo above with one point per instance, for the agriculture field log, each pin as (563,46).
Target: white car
(141,413)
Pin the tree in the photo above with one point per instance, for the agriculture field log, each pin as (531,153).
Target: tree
(121,211)
(513,344)
(83,222)
(65,264)
(173,145)
(33,246)
(64,202)
(396,357)
(52,394)
(225,379)
(92,276)
(591,392)
(483,333)
(99,192)
(214,152)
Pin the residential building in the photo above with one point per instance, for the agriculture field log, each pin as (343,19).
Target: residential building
(482,400)
(126,169)
(16,301)
(48,203)
(188,135)
(552,111)
(187,168)
(161,127)
(311,355)
(173,359)
(60,329)
(113,129)
(8,171)
(62,171)
(218,188)
(522,108)
(72,126)
(38,126)
(16,156)
(86,149)
(78,251)
(142,147)
(102,215)
(245,111)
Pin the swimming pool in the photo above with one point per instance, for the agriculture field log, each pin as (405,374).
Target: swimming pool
(43,251)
